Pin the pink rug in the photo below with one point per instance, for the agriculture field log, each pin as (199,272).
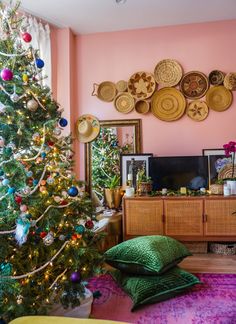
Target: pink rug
(213,302)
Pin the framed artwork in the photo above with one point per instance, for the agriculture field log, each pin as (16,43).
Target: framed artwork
(130,164)
(216,161)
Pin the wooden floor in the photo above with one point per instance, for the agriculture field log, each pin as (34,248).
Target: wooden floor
(209,262)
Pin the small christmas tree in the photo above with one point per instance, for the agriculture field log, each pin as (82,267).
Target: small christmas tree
(47,242)
(106,152)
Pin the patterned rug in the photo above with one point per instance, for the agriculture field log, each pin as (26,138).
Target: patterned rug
(212,302)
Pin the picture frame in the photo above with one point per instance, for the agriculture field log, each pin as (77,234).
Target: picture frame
(138,161)
(214,155)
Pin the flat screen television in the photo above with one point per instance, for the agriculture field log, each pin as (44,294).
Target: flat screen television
(174,172)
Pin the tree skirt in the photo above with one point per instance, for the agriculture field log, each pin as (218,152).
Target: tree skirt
(213,302)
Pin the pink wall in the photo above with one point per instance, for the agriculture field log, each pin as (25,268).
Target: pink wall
(116,56)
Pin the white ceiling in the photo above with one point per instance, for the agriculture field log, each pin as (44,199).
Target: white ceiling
(92,16)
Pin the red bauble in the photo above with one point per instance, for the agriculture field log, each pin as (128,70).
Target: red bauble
(27,37)
(43,234)
(50,143)
(63,202)
(18,199)
(89,224)
(74,237)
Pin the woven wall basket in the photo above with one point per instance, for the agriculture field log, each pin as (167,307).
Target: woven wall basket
(230,81)
(216,77)
(197,110)
(168,73)
(194,85)
(141,85)
(105,91)
(219,98)
(124,102)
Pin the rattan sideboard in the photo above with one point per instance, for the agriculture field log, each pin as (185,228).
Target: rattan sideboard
(202,218)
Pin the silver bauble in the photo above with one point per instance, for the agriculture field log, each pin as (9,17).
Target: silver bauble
(32,105)
(57,131)
(48,239)
(14,97)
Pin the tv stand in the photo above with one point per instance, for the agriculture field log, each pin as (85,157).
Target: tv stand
(186,218)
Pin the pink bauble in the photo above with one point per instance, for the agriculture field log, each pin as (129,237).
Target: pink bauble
(6,75)
(23,208)
(27,37)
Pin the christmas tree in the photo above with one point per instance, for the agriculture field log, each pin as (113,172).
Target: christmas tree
(106,151)
(48,245)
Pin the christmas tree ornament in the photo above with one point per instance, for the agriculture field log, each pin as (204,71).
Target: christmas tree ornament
(64,194)
(79,229)
(11,190)
(2,108)
(18,199)
(62,237)
(26,37)
(2,141)
(25,77)
(5,182)
(32,105)
(26,190)
(23,208)
(6,74)
(50,180)
(29,174)
(19,300)
(48,239)
(43,155)
(14,97)
(43,182)
(35,182)
(11,145)
(43,234)
(22,230)
(75,277)
(89,224)
(57,131)
(39,63)
(73,191)
(57,199)
(42,189)
(63,122)
(1,172)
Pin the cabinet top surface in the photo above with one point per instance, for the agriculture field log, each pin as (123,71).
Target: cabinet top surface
(210,197)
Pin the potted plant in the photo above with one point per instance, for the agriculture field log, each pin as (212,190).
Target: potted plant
(144,183)
(231,181)
(112,192)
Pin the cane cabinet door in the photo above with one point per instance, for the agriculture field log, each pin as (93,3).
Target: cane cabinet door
(219,217)
(142,217)
(183,217)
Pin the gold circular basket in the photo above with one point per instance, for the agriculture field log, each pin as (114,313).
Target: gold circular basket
(168,104)
(197,110)
(219,98)
(230,81)
(142,106)
(121,85)
(194,85)
(124,102)
(216,77)
(141,85)
(168,73)
(105,91)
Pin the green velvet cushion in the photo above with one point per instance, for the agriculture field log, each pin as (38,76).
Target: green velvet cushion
(147,255)
(152,289)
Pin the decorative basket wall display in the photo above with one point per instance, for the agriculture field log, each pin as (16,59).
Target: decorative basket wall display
(216,77)
(197,110)
(105,91)
(219,98)
(142,106)
(168,73)
(168,104)
(230,81)
(141,85)
(194,85)
(124,102)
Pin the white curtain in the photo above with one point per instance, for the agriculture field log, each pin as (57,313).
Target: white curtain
(41,41)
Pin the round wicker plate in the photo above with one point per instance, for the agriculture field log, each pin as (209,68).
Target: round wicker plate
(216,77)
(121,85)
(168,104)
(124,102)
(194,85)
(197,110)
(230,81)
(168,73)
(141,85)
(219,98)
(105,91)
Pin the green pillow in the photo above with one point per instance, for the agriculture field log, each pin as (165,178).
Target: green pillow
(151,289)
(147,255)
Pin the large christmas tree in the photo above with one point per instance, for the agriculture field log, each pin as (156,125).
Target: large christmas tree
(48,245)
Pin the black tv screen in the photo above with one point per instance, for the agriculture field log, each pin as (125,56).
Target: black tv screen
(175,172)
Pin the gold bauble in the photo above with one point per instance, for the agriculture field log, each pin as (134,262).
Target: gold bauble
(32,105)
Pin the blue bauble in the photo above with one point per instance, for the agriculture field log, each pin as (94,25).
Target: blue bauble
(1,172)
(11,190)
(5,182)
(29,174)
(79,229)
(63,122)
(43,155)
(39,63)
(35,182)
(73,191)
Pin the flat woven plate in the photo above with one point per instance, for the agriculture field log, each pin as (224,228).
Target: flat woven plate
(121,85)
(216,77)
(194,85)
(141,85)
(219,98)
(230,81)
(168,104)
(105,91)
(124,102)
(168,73)
(197,110)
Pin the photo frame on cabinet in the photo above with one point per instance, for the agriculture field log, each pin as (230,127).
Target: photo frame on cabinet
(216,161)
(131,164)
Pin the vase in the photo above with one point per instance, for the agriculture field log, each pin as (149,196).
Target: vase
(232,185)
(81,311)
(113,197)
